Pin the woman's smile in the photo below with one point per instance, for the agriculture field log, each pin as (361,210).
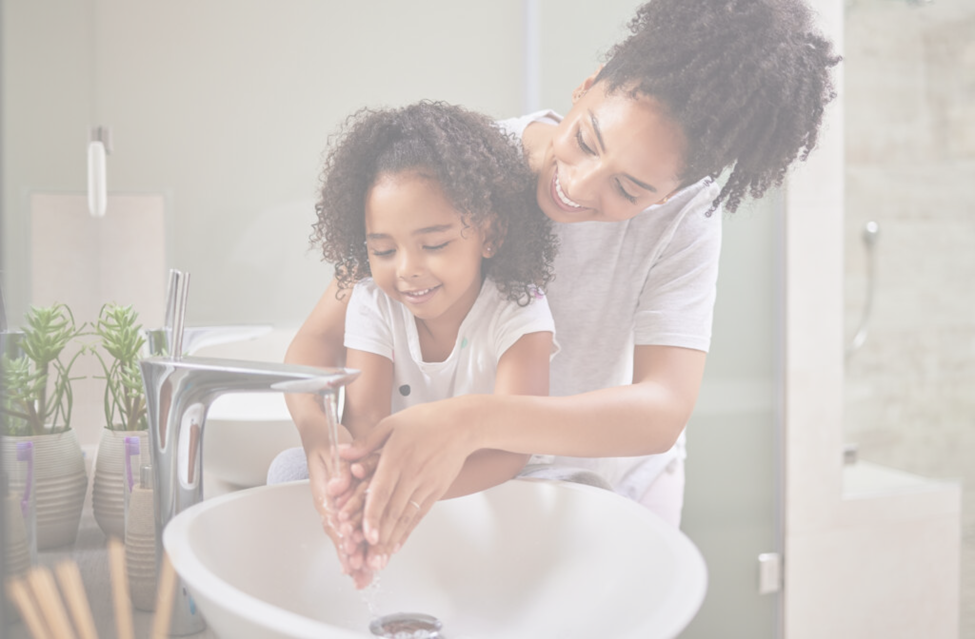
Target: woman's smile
(559,196)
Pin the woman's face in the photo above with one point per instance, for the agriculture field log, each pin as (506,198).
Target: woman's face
(610,158)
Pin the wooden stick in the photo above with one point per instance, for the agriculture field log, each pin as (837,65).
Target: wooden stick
(73,589)
(166,591)
(19,593)
(120,589)
(49,601)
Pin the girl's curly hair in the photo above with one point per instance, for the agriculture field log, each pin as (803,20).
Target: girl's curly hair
(747,81)
(480,169)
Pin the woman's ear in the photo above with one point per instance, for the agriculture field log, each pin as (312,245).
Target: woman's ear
(585,86)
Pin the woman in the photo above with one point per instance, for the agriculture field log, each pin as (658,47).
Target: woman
(629,176)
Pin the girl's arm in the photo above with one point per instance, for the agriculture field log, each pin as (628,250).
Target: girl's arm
(641,418)
(523,369)
(319,342)
(368,397)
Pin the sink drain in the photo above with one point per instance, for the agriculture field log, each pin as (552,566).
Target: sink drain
(407,625)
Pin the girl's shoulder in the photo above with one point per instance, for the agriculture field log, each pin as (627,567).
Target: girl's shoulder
(516,126)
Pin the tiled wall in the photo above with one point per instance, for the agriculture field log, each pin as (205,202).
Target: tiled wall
(910,153)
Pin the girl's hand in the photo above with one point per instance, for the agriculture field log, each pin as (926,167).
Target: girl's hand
(329,493)
(423,450)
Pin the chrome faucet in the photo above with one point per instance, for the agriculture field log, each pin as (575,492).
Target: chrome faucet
(179,392)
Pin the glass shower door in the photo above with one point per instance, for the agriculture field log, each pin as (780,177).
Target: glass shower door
(910,245)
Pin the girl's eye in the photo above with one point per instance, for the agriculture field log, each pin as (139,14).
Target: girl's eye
(383,253)
(582,144)
(624,193)
(437,247)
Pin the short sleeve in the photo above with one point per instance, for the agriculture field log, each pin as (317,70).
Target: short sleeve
(514,322)
(676,305)
(368,325)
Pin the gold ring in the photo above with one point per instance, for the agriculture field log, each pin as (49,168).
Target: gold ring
(415,504)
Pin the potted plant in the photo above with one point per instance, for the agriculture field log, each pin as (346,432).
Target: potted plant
(36,407)
(119,348)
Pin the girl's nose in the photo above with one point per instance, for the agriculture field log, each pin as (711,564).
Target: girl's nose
(410,265)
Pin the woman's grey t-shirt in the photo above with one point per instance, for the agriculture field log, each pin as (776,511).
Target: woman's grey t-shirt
(650,280)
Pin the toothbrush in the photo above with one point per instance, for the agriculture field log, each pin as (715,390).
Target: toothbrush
(131,448)
(25,452)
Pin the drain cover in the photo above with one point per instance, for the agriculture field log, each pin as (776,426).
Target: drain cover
(407,625)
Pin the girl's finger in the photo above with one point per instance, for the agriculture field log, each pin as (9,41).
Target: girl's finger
(365,467)
(372,442)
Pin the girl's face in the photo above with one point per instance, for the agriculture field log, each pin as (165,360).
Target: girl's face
(420,251)
(610,158)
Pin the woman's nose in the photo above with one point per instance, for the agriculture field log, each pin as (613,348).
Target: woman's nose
(578,182)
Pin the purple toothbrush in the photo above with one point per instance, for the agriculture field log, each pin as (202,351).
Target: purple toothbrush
(25,452)
(131,448)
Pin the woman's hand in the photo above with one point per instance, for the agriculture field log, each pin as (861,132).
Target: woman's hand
(424,448)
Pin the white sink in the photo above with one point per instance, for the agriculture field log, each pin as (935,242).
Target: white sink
(243,434)
(530,559)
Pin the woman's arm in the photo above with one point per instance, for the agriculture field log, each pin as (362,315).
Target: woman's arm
(642,418)
(523,369)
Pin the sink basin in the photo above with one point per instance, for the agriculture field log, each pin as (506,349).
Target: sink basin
(528,559)
(244,432)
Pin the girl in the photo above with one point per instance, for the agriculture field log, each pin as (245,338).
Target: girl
(629,175)
(428,214)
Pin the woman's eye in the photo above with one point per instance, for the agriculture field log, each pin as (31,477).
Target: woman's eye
(582,144)
(624,193)
(437,247)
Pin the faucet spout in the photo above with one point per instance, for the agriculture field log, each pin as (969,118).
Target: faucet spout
(179,393)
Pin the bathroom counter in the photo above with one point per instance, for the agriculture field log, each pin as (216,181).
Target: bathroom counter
(90,552)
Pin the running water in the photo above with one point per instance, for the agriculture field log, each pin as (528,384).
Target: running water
(330,407)
(370,597)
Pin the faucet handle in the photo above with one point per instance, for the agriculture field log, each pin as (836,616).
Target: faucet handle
(176,296)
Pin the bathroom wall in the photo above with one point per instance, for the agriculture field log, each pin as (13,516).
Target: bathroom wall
(910,166)
(224,108)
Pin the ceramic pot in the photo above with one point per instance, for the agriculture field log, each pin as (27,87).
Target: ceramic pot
(60,482)
(107,496)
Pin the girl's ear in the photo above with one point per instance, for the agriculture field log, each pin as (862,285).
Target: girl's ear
(493,235)
(585,86)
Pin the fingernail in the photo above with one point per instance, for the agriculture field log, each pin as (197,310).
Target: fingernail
(396,548)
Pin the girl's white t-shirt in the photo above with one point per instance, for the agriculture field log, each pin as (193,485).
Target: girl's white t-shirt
(650,280)
(377,324)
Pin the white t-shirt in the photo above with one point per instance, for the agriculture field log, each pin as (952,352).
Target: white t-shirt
(374,323)
(650,280)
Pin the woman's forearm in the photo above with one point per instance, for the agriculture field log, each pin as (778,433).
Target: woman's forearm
(485,469)
(641,418)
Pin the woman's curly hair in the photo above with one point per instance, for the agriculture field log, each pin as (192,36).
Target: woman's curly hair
(747,81)
(480,169)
